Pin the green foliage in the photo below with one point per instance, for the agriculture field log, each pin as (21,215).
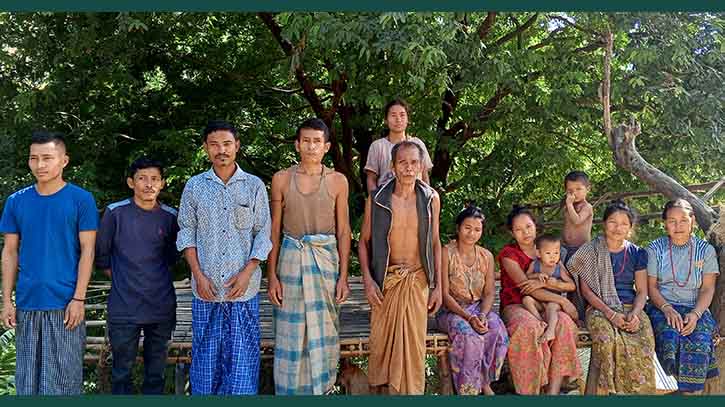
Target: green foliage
(507,104)
(7,363)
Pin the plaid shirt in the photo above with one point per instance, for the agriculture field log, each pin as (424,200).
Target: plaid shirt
(229,224)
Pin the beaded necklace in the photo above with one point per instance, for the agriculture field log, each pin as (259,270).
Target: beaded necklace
(672,265)
(624,262)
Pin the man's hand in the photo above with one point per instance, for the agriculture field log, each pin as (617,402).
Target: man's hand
(75,313)
(435,300)
(342,290)
(274,291)
(237,285)
(205,287)
(8,315)
(372,292)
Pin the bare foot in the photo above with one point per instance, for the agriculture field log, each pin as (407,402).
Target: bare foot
(487,390)
(548,335)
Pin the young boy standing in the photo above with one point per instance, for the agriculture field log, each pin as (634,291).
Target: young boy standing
(578,213)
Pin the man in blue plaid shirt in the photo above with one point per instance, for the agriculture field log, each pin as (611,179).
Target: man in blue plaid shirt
(224,233)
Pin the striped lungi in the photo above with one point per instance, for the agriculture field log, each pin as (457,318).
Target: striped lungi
(307,345)
(49,357)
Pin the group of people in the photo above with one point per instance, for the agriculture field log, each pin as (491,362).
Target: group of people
(637,303)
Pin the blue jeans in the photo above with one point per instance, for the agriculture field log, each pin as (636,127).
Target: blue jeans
(124,339)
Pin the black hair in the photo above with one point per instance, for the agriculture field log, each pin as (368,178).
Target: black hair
(546,238)
(678,203)
(143,163)
(619,206)
(470,211)
(45,137)
(219,125)
(515,212)
(405,144)
(314,123)
(396,102)
(386,110)
(580,176)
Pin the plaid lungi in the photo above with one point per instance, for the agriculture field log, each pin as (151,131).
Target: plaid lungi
(225,347)
(49,357)
(307,346)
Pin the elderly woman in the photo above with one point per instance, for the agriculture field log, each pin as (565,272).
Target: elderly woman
(613,279)
(681,274)
(477,334)
(534,364)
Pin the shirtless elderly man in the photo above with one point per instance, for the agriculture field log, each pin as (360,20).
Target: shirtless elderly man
(400,257)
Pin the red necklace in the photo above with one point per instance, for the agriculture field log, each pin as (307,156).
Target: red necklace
(624,262)
(672,265)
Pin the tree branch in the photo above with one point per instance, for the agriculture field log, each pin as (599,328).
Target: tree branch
(709,194)
(627,195)
(308,88)
(622,142)
(450,101)
(627,157)
(287,91)
(574,25)
(517,31)
(485,28)
(605,88)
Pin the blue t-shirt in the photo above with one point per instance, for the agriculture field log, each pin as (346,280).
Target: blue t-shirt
(139,246)
(48,227)
(624,281)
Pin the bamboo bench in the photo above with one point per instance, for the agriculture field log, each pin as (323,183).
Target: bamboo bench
(354,333)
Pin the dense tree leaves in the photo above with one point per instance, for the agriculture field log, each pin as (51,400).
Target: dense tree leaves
(507,102)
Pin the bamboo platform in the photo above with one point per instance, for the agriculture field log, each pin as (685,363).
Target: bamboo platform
(354,327)
(354,335)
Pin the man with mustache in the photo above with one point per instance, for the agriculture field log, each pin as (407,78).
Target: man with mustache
(224,234)
(400,258)
(136,247)
(50,230)
(309,280)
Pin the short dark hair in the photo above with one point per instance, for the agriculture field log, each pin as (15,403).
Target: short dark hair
(396,102)
(580,176)
(546,238)
(515,212)
(470,211)
(678,203)
(45,137)
(219,125)
(619,206)
(314,123)
(143,163)
(405,144)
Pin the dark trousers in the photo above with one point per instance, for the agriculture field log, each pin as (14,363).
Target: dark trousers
(124,339)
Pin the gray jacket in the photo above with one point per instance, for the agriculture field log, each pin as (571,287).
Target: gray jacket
(381,219)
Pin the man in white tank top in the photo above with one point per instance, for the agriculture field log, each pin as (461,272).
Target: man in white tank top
(307,268)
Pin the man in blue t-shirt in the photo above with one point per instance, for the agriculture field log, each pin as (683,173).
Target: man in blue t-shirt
(136,246)
(50,233)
